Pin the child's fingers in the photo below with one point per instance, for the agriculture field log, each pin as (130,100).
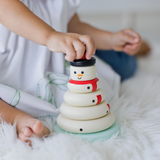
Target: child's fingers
(132,46)
(131,49)
(70,53)
(90,46)
(79,48)
(128,38)
(129,52)
(133,34)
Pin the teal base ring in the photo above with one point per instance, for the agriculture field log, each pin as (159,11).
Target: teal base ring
(91,137)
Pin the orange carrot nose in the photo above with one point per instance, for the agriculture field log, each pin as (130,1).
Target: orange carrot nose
(80,75)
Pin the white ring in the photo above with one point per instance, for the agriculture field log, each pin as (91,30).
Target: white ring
(86,99)
(88,126)
(84,113)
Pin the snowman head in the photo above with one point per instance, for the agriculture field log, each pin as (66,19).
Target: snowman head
(83,73)
(83,69)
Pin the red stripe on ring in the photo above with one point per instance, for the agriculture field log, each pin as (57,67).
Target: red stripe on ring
(108,106)
(99,98)
(93,82)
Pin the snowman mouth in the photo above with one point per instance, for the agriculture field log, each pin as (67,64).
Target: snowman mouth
(79,77)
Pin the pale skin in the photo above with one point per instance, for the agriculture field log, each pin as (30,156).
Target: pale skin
(82,37)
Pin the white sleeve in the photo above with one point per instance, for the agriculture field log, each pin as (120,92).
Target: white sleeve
(72,8)
(26,102)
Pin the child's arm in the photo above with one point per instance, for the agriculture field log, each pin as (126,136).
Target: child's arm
(126,40)
(19,19)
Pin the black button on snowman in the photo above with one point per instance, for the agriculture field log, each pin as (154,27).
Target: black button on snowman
(85,109)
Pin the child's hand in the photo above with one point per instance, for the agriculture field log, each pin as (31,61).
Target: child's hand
(73,45)
(126,40)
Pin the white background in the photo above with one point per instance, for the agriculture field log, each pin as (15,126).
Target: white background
(113,15)
(119,5)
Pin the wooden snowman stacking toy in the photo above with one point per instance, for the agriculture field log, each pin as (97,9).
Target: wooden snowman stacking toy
(85,112)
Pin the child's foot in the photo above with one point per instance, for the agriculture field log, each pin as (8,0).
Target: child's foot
(28,126)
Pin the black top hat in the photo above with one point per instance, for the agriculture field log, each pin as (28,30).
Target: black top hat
(83,62)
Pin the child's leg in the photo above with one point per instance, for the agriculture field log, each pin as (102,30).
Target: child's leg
(26,125)
(122,63)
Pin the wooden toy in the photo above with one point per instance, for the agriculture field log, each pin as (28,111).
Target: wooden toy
(86,99)
(83,73)
(85,126)
(85,112)
(91,137)
(83,86)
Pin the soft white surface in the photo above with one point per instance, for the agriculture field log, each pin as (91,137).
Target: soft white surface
(137,112)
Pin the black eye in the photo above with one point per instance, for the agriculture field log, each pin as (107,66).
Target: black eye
(93,101)
(75,72)
(82,72)
(88,87)
(81,129)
